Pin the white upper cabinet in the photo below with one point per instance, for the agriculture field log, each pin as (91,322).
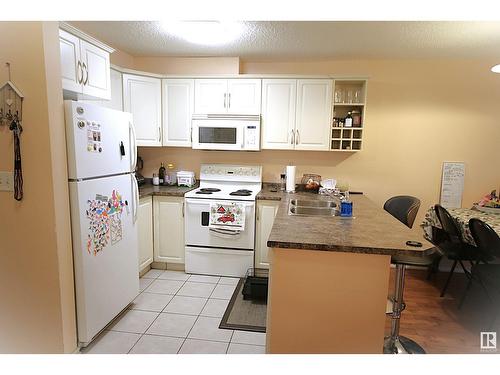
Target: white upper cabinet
(71,71)
(178,107)
(313,115)
(142,97)
(278,113)
(210,96)
(243,96)
(221,96)
(85,68)
(95,63)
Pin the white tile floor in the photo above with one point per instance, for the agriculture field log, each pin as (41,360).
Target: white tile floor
(178,313)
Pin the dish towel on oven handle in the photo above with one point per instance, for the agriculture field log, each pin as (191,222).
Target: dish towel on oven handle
(229,216)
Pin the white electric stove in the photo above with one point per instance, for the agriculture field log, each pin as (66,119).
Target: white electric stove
(213,251)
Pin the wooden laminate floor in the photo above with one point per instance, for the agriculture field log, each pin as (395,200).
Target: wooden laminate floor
(436,323)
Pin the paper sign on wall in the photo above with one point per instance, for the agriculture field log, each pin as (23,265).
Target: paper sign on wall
(452,184)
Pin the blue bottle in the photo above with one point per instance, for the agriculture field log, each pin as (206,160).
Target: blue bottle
(346,207)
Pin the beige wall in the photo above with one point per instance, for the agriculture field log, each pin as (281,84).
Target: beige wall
(419,114)
(37,313)
(188,65)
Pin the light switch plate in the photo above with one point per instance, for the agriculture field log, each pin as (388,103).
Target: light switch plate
(6,181)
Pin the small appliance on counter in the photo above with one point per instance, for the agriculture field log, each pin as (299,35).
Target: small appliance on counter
(186,178)
(138,176)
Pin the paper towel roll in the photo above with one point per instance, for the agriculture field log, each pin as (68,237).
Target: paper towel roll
(290,178)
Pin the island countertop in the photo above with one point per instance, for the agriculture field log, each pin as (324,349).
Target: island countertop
(371,230)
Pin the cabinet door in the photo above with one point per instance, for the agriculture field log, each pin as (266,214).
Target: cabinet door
(278,113)
(168,229)
(313,118)
(178,106)
(96,71)
(266,211)
(145,228)
(243,96)
(71,72)
(142,97)
(210,96)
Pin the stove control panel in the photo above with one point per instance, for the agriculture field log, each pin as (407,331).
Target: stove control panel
(225,172)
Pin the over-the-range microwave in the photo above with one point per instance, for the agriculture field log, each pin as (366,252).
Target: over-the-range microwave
(226,132)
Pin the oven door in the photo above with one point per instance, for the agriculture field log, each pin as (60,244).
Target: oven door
(197,232)
(217,135)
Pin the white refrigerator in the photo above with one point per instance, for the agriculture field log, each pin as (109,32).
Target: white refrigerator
(104,198)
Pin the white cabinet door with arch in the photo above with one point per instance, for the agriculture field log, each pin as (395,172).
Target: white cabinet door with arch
(314,114)
(168,229)
(142,97)
(210,96)
(145,229)
(278,113)
(178,107)
(243,96)
(266,211)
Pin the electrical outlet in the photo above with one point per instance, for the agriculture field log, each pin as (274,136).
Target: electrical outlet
(6,181)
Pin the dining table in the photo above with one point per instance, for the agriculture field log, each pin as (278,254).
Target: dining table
(461,217)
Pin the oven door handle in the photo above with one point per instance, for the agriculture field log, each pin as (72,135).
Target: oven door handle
(227,232)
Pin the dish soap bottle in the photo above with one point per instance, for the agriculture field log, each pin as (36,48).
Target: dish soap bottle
(161,174)
(346,206)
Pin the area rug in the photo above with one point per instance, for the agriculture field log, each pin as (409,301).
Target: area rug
(244,315)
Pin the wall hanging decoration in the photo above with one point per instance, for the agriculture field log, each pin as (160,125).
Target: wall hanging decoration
(11,113)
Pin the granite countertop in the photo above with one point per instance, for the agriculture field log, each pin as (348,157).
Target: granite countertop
(371,230)
(149,189)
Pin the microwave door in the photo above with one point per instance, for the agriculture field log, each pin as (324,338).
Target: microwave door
(211,135)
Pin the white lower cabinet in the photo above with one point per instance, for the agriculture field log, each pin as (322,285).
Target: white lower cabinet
(145,229)
(266,211)
(168,216)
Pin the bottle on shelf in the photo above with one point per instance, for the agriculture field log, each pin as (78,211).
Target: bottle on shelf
(161,174)
(356,118)
(348,120)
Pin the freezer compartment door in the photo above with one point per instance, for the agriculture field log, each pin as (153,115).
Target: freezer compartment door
(221,262)
(105,250)
(99,141)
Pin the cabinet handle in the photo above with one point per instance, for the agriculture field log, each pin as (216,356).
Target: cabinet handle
(229,100)
(159,133)
(297,139)
(292,138)
(225,95)
(79,70)
(86,74)
(182,209)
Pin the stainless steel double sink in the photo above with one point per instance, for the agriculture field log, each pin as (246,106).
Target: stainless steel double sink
(306,207)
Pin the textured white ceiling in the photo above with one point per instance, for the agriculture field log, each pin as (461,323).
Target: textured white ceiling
(306,40)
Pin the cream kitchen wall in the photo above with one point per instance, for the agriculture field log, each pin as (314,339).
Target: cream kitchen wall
(419,114)
(37,307)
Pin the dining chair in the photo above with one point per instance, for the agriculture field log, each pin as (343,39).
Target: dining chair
(488,244)
(453,246)
(404,208)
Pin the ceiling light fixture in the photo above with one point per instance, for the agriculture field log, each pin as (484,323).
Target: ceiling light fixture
(204,32)
(496,69)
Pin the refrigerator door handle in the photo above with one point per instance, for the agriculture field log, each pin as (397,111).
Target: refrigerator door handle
(135,188)
(133,146)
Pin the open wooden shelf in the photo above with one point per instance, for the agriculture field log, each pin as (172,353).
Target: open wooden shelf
(349,96)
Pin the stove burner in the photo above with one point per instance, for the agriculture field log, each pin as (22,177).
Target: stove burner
(241,193)
(207,190)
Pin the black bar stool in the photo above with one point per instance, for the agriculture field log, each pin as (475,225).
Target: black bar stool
(404,208)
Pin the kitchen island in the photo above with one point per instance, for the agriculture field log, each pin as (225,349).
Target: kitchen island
(329,278)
